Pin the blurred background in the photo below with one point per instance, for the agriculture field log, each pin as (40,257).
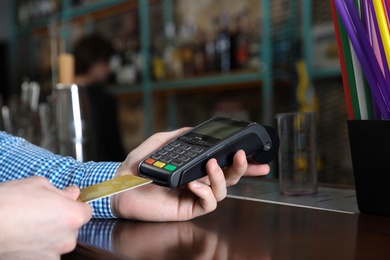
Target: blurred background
(178,62)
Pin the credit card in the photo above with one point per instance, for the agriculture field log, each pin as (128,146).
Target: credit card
(111,187)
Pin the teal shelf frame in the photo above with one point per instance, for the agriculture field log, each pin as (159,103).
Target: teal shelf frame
(93,7)
(206,81)
(67,12)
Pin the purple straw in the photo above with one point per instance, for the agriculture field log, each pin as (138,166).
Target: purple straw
(367,25)
(381,48)
(366,46)
(368,68)
(366,15)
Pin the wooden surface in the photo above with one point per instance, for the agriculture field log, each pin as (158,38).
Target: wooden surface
(241,229)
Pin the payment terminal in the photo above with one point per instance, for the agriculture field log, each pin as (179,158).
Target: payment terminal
(184,159)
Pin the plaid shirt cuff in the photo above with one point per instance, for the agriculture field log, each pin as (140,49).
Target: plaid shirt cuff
(98,172)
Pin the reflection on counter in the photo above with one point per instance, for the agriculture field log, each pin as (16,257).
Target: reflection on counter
(238,229)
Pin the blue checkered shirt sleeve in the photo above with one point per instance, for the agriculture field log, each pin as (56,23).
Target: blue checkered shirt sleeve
(21,159)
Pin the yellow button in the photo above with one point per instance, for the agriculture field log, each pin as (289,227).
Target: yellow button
(159,164)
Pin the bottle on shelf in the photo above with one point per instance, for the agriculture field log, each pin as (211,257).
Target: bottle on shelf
(169,51)
(186,40)
(123,63)
(242,40)
(254,62)
(233,36)
(223,44)
(210,48)
(200,55)
(157,59)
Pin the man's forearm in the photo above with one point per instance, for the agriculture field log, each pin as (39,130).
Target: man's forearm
(21,159)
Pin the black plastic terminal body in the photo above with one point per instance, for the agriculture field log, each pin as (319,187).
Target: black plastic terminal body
(260,143)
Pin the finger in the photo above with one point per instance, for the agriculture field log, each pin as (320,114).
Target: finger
(205,180)
(217,179)
(81,213)
(72,192)
(205,202)
(237,170)
(86,213)
(257,170)
(84,210)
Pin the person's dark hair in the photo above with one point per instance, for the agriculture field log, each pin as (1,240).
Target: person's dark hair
(89,50)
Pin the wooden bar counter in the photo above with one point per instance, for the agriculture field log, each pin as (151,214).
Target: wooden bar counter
(241,229)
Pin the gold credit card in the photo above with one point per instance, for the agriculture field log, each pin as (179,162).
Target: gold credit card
(111,187)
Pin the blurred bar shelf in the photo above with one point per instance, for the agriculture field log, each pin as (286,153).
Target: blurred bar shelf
(89,8)
(36,24)
(209,81)
(215,80)
(97,10)
(326,73)
(192,83)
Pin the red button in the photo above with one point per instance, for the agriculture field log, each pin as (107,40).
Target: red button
(149,161)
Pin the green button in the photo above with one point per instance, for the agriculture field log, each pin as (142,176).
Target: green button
(170,167)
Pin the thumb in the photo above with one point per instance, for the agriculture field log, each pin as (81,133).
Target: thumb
(72,192)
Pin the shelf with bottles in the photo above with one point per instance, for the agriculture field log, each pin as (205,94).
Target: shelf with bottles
(114,20)
(196,105)
(217,82)
(204,39)
(220,80)
(183,57)
(34,12)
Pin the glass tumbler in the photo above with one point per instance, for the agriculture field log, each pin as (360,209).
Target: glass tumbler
(297,153)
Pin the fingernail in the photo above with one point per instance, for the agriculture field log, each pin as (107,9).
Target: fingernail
(196,184)
(72,189)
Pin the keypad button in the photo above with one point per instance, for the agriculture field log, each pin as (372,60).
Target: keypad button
(197,150)
(178,151)
(149,161)
(173,155)
(170,167)
(202,143)
(177,162)
(159,164)
(156,156)
(165,159)
(190,154)
(185,138)
(175,144)
(169,148)
(162,152)
(183,158)
(185,147)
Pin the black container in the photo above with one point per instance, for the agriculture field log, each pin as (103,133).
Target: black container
(370,151)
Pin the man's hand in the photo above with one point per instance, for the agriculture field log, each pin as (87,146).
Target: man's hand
(39,221)
(155,203)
